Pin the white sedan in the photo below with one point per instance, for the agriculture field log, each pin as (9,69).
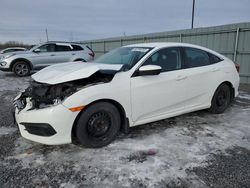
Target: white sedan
(129,86)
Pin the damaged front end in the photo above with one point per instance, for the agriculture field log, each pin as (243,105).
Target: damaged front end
(42,95)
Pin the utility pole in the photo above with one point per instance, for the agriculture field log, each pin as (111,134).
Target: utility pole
(47,36)
(192,26)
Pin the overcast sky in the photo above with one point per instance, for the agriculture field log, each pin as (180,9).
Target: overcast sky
(26,20)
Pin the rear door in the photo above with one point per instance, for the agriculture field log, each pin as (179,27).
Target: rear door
(64,52)
(79,53)
(156,95)
(202,76)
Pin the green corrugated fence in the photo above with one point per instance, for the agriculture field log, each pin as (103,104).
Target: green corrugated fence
(231,40)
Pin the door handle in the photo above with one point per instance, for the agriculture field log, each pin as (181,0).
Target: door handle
(180,77)
(215,69)
(52,55)
(73,54)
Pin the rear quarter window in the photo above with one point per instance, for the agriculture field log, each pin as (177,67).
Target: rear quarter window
(213,58)
(76,47)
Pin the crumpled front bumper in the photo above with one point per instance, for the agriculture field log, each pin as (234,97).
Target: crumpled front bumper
(51,125)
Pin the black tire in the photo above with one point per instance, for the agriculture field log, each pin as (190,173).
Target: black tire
(98,125)
(21,68)
(221,99)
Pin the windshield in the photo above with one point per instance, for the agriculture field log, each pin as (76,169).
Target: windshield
(124,55)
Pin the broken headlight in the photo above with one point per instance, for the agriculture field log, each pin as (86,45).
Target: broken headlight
(44,95)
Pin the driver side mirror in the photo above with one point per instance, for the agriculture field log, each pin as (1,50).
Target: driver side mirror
(37,50)
(149,70)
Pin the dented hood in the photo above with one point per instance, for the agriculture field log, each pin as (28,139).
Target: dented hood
(65,72)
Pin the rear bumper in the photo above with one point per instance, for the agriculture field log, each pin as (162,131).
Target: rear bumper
(236,86)
(51,126)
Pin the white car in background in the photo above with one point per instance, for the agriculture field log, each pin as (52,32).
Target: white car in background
(12,49)
(129,86)
(6,51)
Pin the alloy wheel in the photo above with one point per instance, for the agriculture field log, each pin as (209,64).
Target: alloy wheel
(21,69)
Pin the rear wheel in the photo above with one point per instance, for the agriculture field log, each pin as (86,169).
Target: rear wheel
(221,99)
(21,68)
(98,125)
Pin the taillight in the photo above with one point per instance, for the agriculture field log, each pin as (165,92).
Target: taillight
(237,66)
(92,54)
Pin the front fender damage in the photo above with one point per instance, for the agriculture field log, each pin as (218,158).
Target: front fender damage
(42,95)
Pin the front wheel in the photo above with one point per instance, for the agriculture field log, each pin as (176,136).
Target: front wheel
(221,99)
(21,68)
(98,125)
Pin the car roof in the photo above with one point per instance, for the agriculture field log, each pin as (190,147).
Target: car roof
(63,42)
(163,44)
(172,44)
(14,48)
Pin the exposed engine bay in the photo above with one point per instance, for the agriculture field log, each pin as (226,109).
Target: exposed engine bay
(42,95)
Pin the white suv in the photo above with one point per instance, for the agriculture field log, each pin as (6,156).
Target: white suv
(129,86)
(43,55)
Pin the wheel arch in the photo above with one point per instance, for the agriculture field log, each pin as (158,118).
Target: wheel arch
(21,59)
(230,85)
(124,118)
(80,59)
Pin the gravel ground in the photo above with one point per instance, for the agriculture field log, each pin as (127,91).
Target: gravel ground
(193,150)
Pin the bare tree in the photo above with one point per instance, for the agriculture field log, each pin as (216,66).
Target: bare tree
(13,44)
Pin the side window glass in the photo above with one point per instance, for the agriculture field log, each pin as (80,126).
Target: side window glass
(44,48)
(7,51)
(213,58)
(196,57)
(51,48)
(62,48)
(47,48)
(77,48)
(169,59)
(154,58)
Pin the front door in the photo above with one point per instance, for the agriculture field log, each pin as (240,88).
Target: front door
(44,57)
(158,95)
